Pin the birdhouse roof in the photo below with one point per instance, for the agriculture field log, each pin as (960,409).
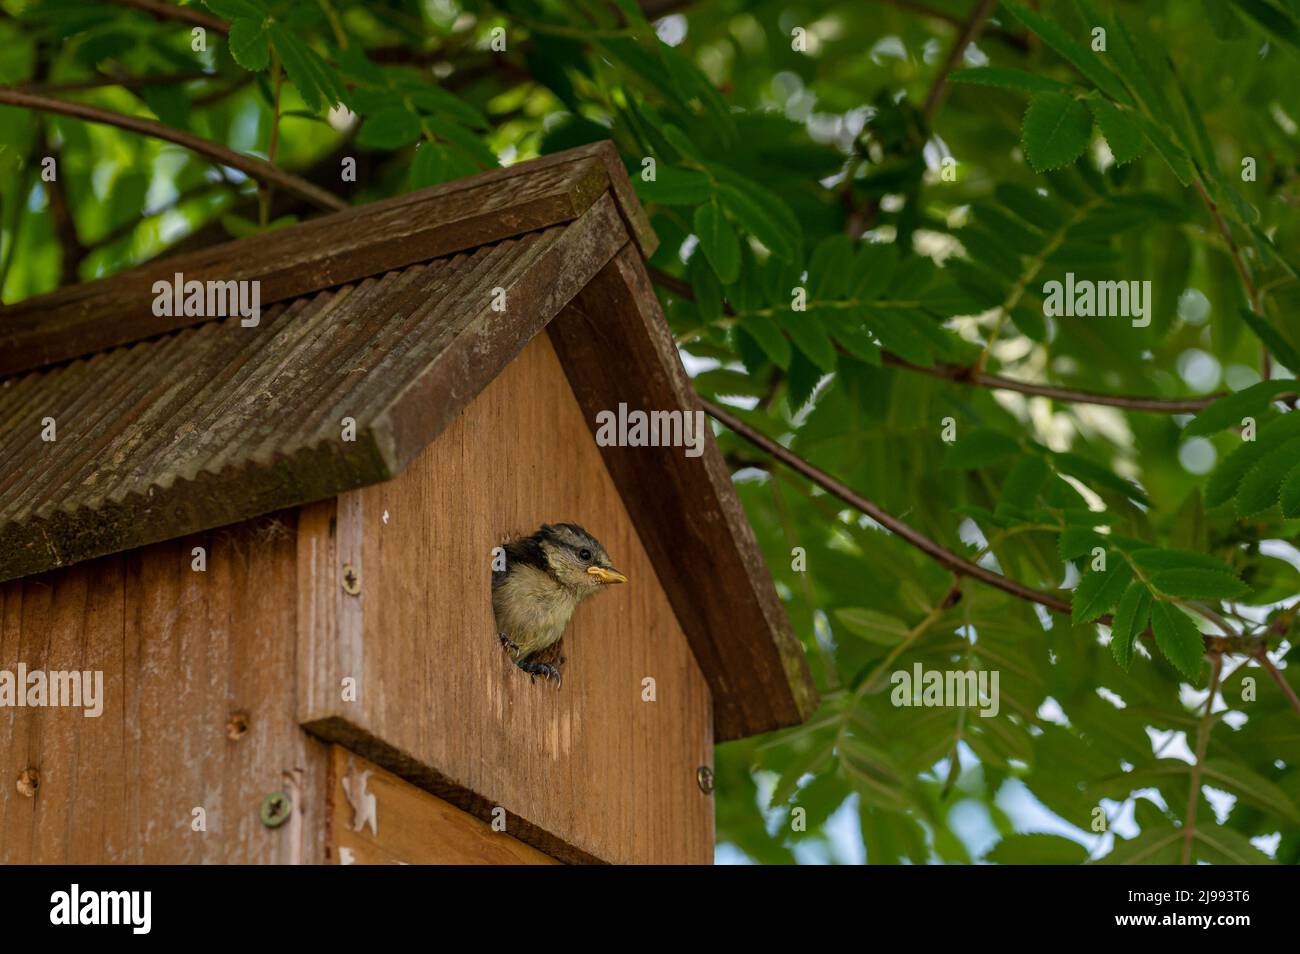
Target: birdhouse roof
(384,313)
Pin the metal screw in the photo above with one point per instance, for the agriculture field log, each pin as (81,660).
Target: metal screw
(704,776)
(276,809)
(29,780)
(351,581)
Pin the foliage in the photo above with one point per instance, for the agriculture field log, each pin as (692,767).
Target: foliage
(830,281)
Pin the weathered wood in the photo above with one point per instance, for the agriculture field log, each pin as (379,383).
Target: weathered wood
(325,252)
(685,507)
(218,424)
(408,825)
(181,652)
(586,771)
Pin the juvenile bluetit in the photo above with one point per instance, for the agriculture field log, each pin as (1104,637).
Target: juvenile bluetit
(546,576)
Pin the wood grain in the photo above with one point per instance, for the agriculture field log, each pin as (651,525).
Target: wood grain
(587,771)
(410,825)
(181,651)
(686,508)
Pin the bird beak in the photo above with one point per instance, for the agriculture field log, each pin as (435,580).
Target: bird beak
(606,574)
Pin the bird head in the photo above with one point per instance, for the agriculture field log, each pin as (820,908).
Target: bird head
(575,559)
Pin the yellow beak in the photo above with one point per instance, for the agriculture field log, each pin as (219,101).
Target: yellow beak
(605,575)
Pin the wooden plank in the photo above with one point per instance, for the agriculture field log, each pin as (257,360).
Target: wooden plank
(407,825)
(685,508)
(325,252)
(182,652)
(588,771)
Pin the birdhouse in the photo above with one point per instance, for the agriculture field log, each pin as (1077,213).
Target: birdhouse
(251,499)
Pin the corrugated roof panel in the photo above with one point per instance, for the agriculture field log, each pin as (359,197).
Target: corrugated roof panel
(217,399)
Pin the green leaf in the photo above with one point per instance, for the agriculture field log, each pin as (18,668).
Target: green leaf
(980,448)
(719,242)
(1158,559)
(1074,542)
(1199,584)
(769,338)
(1130,620)
(1251,787)
(1037,849)
(675,186)
(1090,473)
(315,80)
(233,9)
(1289,495)
(1021,488)
(1010,79)
(250,44)
(1262,485)
(1178,638)
(810,335)
(1123,134)
(1276,344)
(1099,591)
(872,626)
(1087,62)
(1056,131)
(761,211)
(1229,410)
(1227,477)
(391,128)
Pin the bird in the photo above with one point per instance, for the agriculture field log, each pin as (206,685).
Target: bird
(544,578)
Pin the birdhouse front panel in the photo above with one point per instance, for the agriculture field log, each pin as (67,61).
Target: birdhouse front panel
(605,763)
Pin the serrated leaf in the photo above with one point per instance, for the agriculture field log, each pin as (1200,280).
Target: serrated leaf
(1262,485)
(1198,584)
(761,211)
(810,336)
(675,186)
(1099,591)
(315,80)
(1157,559)
(830,267)
(1229,410)
(1056,131)
(391,128)
(1074,542)
(1276,344)
(980,448)
(1178,638)
(1251,787)
(719,242)
(1009,79)
(872,626)
(250,44)
(1037,849)
(1021,488)
(769,337)
(1227,477)
(1084,59)
(1123,134)
(1130,620)
(1289,495)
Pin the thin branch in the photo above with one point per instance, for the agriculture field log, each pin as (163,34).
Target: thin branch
(978,378)
(1278,678)
(249,165)
(1202,743)
(170,11)
(959,566)
(969,34)
(1015,40)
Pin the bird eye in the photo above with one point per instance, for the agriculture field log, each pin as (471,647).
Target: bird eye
(584,554)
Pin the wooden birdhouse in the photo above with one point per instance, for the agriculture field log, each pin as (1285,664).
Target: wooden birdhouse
(249,503)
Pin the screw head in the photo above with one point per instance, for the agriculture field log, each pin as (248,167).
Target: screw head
(29,780)
(704,777)
(237,725)
(351,581)
(276,809)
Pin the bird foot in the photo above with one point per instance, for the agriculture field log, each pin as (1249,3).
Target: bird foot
(545,670)
(507,643)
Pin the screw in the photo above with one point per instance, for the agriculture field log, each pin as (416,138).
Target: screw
(29,780)
(276,809)
(704,776)
(237,725)
(351,582)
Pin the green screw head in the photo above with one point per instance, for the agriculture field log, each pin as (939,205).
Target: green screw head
(276,809)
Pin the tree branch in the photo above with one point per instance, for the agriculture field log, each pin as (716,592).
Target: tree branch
(969,34)
(170,11)
(1006,36)
(251,166)
(1278,678)
(1202,743)
(959,566)
(978,378)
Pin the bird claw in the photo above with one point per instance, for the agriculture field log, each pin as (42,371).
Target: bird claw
(545,670)
(507,643)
